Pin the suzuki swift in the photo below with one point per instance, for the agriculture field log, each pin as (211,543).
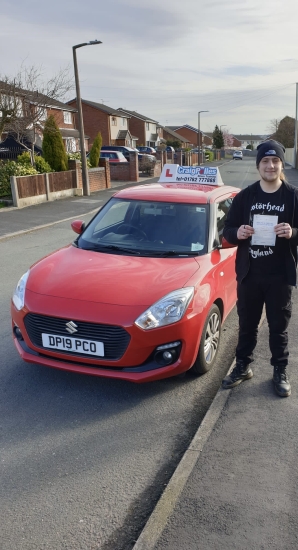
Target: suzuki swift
(142,292)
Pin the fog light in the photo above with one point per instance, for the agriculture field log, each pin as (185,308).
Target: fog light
(167,356)
(18,333)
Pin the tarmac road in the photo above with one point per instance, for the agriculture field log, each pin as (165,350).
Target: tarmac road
(84,460)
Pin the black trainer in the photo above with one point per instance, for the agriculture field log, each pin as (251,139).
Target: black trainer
(281,381)
(239,373)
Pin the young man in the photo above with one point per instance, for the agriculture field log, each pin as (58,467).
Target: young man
(263,222)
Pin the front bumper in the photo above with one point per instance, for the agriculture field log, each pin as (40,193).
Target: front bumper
(138,363)
(147,372)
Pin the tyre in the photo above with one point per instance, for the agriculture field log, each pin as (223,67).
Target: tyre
(210,341)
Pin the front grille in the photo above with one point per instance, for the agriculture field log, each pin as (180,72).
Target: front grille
(115,339)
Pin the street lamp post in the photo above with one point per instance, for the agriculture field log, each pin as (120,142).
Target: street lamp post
(199,134)
(85,177)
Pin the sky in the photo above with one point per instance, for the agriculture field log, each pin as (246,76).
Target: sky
(166,59)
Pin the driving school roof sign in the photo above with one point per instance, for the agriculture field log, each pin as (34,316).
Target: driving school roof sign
(173,173)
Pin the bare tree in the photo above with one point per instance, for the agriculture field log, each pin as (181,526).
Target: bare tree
(26,98)
(285,133)
(273,126)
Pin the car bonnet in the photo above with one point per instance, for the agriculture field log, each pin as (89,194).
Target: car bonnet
(78,274)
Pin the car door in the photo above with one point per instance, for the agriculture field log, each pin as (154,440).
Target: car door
(224,258)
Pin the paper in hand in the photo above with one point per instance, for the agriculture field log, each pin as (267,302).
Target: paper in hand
(264,230)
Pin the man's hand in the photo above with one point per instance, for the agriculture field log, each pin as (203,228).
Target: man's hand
(245,232)
(283,230)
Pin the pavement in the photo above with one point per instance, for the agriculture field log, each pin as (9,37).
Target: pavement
(16,221)
(236,486)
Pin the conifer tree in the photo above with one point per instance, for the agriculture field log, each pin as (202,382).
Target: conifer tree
(95,151)
(52,146)
(218,140)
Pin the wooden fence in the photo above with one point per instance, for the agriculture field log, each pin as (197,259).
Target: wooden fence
(28,190)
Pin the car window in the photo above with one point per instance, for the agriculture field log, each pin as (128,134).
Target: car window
(222,209)
(149,227)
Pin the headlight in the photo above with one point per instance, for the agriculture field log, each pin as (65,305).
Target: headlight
(166,311)
(19,293)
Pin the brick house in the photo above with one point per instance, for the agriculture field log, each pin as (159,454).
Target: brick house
(170,135)
(66,121)
(191,134)
(114,126)
(33,108)
(146,129)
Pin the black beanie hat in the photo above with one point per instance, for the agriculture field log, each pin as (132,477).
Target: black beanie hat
(270,148)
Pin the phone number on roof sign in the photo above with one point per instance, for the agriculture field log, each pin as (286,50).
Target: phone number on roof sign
(198,179)
(197,171)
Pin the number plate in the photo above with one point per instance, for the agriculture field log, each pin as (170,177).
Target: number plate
(73,345)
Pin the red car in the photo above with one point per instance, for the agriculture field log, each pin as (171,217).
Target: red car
(142,292)
(113,156)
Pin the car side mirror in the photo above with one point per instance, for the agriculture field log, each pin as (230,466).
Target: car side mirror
(78,226)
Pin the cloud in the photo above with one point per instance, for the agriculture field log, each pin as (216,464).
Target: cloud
(165,59)
(136,23)
(245,70)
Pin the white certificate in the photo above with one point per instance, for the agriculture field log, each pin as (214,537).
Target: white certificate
(264,233)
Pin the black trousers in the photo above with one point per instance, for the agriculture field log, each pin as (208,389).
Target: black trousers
(252,294)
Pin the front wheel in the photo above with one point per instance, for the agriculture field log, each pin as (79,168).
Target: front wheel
(210,341)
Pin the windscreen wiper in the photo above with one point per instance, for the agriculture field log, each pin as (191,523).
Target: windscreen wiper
(168,253)
(115,247)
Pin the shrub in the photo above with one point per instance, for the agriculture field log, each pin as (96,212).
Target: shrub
(52,146)
(209,155)
(74,156)
(41,165)
(24,159)
(12,168)
(77,156)
(147,166)
(95,151)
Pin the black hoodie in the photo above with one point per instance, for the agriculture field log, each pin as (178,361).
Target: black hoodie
(239,214)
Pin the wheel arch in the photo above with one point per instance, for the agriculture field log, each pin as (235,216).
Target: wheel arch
(219,304)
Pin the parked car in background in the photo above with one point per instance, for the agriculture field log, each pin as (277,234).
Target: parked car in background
(170,149)
(127,150)
(113,156)
(148,150)
(237,155)
(123,149)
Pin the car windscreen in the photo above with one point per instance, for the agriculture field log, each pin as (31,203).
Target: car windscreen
(151,228)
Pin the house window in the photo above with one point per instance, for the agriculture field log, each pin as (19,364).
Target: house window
(67,117)
(147,125)
(71,145)
(124,122)
(114,121)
